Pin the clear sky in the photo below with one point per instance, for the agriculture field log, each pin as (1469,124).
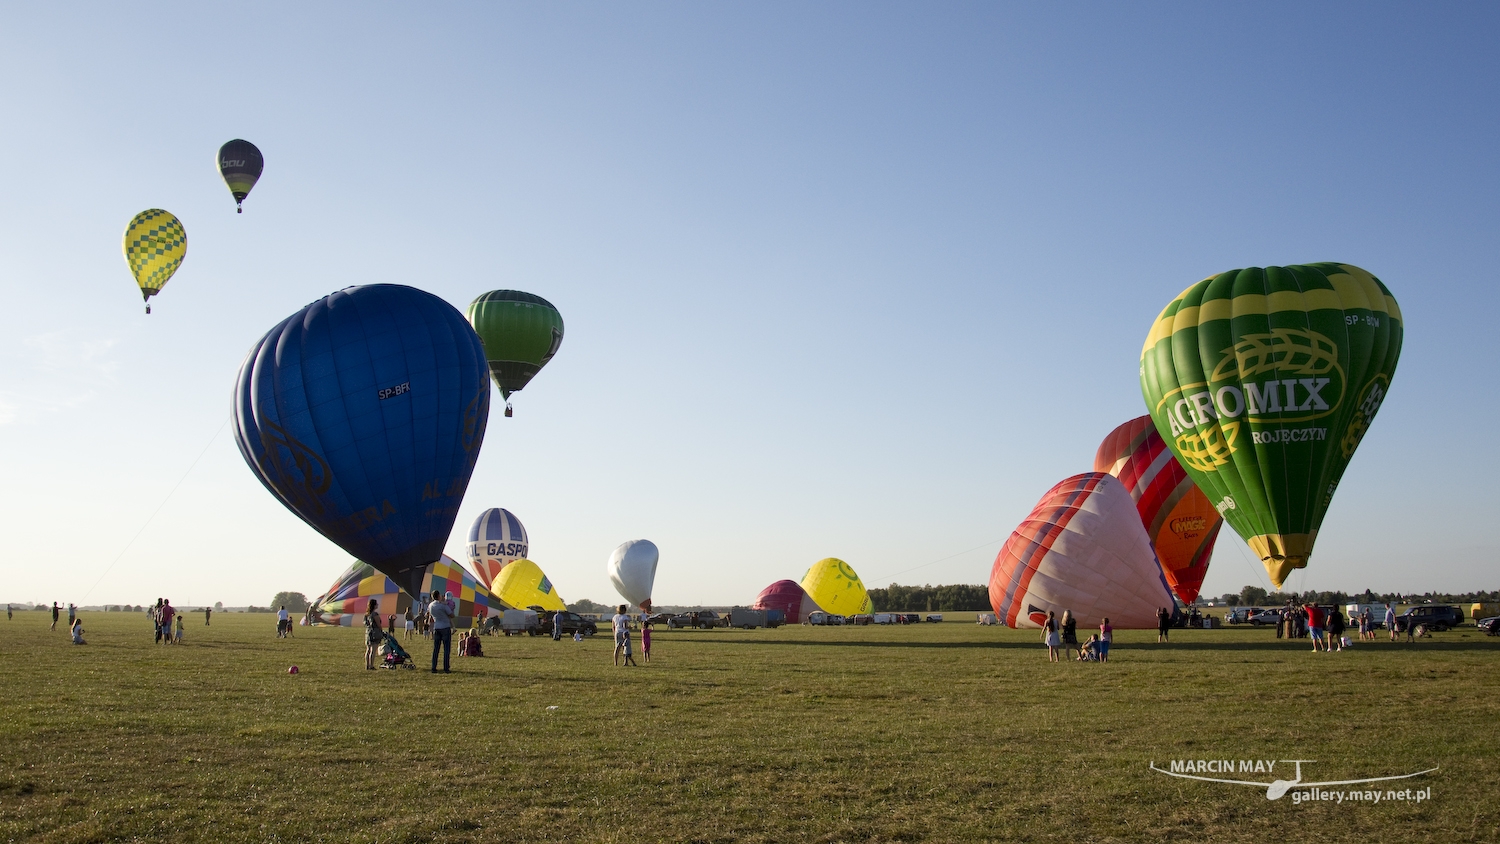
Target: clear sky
(840,279)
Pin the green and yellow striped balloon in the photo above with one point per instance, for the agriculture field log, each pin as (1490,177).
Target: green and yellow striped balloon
(1263,382)
(520,332)
(155,244)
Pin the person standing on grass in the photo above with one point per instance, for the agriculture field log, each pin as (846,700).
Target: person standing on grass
(167,614)
(1070,634)
(1050,637)
(621,623)
(1106,638)
(8,612)
(646,641)
(557,630)
(1335,630)
(442,631)
(54,615)
(372,633)
(177,637)
(207,613)
(411,625)
(1315,627)
(392,628)
(1390,620)
(283,623)
(72,614)
(1163,625)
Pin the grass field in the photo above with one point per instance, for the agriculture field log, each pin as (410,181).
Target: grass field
(937,732)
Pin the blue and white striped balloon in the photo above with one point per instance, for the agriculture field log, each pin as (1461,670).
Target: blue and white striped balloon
(495,540)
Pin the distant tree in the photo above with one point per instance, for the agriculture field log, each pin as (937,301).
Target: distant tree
(293,601)
(1230,600)
(585,605)
(218,606)
(1253,595)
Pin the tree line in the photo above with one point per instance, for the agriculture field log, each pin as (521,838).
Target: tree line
(961,597)
(1255,596)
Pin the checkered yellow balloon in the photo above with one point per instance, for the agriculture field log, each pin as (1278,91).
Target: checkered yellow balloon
(155,244)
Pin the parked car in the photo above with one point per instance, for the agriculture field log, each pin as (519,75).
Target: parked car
(1240,615)
(910,618)
(882,618)
(820,618)
(1489,625)
(699,620)
(1435,617)
(935,617)
(1264,617)
(659,618)
(571,623)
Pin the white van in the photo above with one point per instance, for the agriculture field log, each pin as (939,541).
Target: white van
(987,619)
(516,622)
(884,618)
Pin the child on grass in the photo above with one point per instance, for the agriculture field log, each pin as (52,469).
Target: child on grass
(78,632)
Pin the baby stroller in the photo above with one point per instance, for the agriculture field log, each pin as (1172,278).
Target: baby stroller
(395,656)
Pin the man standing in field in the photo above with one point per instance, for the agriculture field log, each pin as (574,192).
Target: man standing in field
(1390,620)
(621,623)
(54,615)
(164,632)
(207,612)
(1315,626)
(442,631)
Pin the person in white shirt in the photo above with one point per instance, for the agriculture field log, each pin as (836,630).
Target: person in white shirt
(621,623)
(283,621)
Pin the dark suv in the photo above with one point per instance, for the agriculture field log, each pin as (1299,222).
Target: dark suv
(1436,617)
(571,622)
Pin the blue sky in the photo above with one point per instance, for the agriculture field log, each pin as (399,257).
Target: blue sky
(856,280)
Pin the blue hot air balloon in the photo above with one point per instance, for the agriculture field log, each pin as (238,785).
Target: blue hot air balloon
(363,413)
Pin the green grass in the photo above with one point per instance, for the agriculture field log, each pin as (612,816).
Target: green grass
(939,732)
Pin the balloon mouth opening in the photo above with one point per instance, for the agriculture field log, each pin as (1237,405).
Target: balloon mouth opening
(1282,553)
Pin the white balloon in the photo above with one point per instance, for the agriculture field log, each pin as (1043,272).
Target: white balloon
(632,569)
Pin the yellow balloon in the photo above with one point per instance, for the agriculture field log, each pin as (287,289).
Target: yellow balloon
(155,244)
(522,584)
(833,585)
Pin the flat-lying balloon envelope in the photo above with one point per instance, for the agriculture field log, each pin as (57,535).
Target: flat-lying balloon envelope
(789,597)
(1263,383)
(1082,548)
(1178,517)
(833,586)
(522,584)
(363,413)
(496,539)
(344,604)
(632,569)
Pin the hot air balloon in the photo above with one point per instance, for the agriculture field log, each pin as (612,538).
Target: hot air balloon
(632,569)
(521,332)
(1178,517)
(522,584)
(1082,548)
(155,244)
(1263,381)
(363,413)
(789,597)
(495,539)
(344,604)
(834,587)
(240,164)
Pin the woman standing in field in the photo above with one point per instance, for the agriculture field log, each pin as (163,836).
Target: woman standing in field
(1070,635)
(1049,635)
(1106,638)
(372,633)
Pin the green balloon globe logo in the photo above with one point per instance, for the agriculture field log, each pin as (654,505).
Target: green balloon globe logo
(1263,381)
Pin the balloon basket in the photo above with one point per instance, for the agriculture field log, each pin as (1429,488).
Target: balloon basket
(508,412)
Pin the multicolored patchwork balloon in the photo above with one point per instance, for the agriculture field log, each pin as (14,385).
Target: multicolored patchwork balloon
(345,603)
(1178,517)
(1263,381)
(1082,548)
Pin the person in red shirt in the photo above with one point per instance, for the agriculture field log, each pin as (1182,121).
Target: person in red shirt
(1315,627)
(167,613)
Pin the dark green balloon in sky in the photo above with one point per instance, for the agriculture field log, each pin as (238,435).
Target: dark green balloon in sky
(520,331)
(240,164)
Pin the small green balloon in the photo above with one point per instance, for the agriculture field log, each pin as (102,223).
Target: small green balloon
(520,332)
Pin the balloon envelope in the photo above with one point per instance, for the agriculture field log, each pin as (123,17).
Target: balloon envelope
(363,413)
(521,332)
(240,163)
(344,604)
(1263,381)
(1082,548)
(155,244)
(789,597)
(522,584)
(833,586)
(496,539)
(632,569)
(1177,515)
